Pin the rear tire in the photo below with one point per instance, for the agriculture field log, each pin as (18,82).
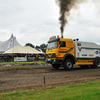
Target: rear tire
(68,64)
(56,66)
(96,63)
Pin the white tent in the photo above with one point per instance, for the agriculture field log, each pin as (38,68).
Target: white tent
(23,49)
(8,44)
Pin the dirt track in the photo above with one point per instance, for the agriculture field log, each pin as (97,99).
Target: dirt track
(26,78)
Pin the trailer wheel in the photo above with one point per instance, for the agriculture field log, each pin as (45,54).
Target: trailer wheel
(68,64)
(96,63)
(56,66)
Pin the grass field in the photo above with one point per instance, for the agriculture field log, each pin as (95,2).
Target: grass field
(22,62)
(84,91)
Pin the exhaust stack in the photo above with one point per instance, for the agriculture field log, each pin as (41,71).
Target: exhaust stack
(61,35)
(61,28)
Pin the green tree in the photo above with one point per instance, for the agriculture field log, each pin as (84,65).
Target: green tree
(43,47)
(29,44)
(37,48)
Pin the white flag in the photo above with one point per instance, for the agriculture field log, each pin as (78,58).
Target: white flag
(11,42)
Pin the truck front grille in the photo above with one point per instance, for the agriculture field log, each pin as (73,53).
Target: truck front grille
(51,55)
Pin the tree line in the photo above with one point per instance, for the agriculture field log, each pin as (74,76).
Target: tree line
(42,47)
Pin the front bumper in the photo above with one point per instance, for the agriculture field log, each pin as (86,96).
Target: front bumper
(54,61)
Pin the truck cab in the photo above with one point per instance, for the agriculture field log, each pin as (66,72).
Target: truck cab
(60,52)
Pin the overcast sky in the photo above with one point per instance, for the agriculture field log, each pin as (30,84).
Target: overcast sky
(34,21)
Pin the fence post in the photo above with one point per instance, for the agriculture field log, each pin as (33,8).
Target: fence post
(44,82)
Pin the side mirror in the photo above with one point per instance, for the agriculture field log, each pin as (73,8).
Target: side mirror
(59,45)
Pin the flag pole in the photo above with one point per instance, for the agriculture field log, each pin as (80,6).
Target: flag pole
(13,47)
(13,44)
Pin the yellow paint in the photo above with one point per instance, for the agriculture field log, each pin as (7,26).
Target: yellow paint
(69,45)
(84,60)
(54,50)
(84,63)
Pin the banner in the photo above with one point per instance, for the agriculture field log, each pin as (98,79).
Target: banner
(20,58)
(11,42)
(41,58)
(31,58)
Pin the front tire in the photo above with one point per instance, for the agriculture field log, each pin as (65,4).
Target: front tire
(68,64)
(55,66)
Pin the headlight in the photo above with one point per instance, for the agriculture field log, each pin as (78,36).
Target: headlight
(49,59)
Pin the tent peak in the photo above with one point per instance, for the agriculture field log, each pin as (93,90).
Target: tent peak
(12,35)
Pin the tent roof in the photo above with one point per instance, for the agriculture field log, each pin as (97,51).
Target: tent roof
(8,44)
(23,49)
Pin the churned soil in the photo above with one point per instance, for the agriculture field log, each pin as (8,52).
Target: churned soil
(31,77)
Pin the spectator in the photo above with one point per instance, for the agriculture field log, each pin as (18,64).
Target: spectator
(26,55)
(6,58)
(36,57)
(9,57)
(12,57)
(2,58)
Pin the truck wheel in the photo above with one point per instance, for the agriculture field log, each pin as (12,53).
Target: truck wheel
(68,64)
(96,63)
(55,66)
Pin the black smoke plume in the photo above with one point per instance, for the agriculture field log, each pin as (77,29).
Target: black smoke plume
(65,8)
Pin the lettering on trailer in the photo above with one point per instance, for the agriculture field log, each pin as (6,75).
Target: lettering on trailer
(79,49)
(84,54)
(78,54)
(91,55)
(78,44)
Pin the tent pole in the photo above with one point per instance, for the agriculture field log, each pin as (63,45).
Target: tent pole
(13,44)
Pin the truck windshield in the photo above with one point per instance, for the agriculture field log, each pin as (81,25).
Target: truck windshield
(52,45)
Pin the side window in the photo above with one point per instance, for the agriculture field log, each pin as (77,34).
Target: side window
(62,44)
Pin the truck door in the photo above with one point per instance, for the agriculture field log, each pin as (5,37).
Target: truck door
(62,48)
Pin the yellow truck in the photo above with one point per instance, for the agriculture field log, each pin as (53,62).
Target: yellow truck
(67,52)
